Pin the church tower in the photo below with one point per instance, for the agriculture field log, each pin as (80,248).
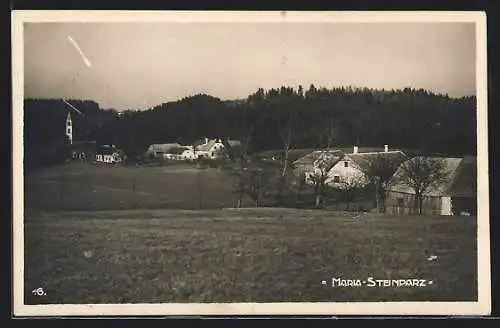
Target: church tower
(69,128)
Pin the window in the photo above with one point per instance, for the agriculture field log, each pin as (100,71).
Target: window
(400,201)
(346,164)
(68,131)
(336,178)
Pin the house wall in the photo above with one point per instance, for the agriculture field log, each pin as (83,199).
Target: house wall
(398,203)
(188,154)
(446,206)
(216,150)
(306,169)
(349,173)
(105,158)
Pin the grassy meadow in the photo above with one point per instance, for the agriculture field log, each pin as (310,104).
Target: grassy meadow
(259,255)
(79,186)
(137,234)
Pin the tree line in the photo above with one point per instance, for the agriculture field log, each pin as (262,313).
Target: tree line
(280,118)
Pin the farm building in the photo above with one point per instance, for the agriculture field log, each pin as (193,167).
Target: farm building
(309,163)
(83,150)
(207,148)
(157,150)
(211,148)
(456,195)
(108,154)
(180,153)
(351,167)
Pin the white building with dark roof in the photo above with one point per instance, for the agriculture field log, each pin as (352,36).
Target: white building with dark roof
(351,168)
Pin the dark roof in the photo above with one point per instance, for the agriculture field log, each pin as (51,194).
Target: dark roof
(362,149)
(461,179)
(464,183)
(177,150)
(106,151)
(207,146)
(364,159)
(324,158)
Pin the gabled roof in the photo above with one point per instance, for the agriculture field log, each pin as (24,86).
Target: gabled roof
(207,146)
(177,150)
(324,157)
(465,180)
(365,159)
(106,151)
(163,147)
(461,179)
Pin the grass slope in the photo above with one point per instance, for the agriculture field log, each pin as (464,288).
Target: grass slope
(262,255)
(88,187)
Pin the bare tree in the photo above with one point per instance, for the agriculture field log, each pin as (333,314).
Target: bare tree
(348,188)
(251,182)
(287,134)
(257,182)
(420,174)
(318,179)
(301,184)
(240,185)
(328,133)
(379,171)
(248,133)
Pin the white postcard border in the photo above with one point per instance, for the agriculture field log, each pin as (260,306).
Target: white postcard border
(481,307)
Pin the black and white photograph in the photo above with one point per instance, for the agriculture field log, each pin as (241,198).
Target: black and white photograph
(250,163)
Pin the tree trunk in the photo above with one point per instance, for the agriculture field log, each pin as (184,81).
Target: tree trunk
(377,198)
(238,205)
(415,204)
(420,203)
(285,162)
(318,199)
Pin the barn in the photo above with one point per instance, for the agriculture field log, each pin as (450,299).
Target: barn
(456,195)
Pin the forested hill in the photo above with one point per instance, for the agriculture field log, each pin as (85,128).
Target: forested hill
(406,118)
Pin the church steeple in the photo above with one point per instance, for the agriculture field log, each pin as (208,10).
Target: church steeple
(69,128)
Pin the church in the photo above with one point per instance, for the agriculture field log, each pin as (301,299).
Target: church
(90,150)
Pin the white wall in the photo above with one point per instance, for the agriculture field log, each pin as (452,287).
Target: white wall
(104,158)
(188,154)
(446,206)
(216,148)
(350,173)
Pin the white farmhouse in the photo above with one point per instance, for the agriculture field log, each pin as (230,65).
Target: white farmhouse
(351,167)
(210,149)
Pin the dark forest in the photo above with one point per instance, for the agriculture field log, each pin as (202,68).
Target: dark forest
(316,118)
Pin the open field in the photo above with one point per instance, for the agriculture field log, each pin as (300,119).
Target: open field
(244,256)
(79,186)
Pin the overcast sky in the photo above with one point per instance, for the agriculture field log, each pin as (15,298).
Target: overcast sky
(140,65)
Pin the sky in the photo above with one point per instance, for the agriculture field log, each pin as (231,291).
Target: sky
(141,65)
